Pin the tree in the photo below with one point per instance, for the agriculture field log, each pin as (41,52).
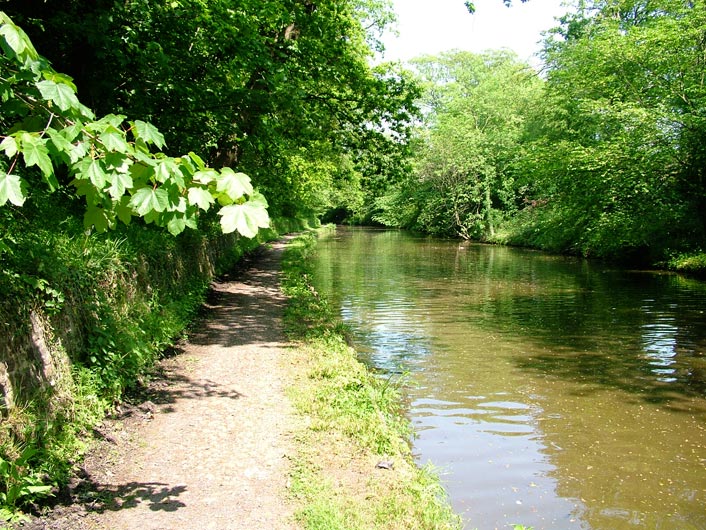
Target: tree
(620,162)
(474,106)
(249,83)
(107,161)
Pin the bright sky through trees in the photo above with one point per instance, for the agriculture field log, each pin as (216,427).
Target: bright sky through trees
(427,27)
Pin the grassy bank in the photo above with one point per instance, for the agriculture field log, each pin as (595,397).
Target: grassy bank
(353,426)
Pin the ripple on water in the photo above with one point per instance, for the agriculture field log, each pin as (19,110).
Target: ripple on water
(555,393)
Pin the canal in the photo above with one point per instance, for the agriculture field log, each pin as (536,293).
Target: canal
(553,392)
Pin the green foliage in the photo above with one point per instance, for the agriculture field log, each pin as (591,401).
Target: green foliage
(107,161)
(19,484)
(691,263)
(614,159)
(474,124)
(605,157)
(400,206)
(260,86)
(353,412)
(41,437)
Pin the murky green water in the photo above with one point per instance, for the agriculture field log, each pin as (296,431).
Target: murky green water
(552,392)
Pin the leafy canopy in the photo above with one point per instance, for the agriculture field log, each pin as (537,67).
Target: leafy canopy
(53,140)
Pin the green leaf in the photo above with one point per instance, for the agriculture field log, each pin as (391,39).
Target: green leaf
(148,200)
(201,198)
(96,173)
(167,169)
(97,217)
(206,176)
(72,132)
(197,160)
(6,92)
(151,217)
(59,146)
(123,210)
(191,222)
(233,184)
(85,112)
(84,188)
(234,218)
(114,139)
(176,224)
(118,162)
(148,133)
(141,147)
(120,183)
(145,158)
(142,174)
(9,145)
(11,189)
(259,200)
(244,218)
(79,151)
(35,153)
(180,205)
(106,122)
(61,94)
(185,175)
(187,166)
(58,77)
(257,209)
(13,37)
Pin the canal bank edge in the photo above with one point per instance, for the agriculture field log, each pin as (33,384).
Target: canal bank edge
(350,466)
(353,466)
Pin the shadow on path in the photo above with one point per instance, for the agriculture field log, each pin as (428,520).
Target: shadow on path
(109,497)
(240,305)
(166,387)
(239,311)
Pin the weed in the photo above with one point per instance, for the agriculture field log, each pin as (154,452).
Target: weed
(20,484)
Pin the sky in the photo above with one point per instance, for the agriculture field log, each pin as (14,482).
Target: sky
(433,26)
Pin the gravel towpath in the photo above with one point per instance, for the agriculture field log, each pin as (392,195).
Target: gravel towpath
(210,448)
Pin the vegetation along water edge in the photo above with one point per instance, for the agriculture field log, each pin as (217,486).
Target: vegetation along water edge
(354,468)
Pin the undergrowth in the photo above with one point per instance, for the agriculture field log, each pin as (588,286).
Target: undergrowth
(108,305)
(353,421)
(693,263)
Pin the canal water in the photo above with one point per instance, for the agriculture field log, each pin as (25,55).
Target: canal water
(549,391)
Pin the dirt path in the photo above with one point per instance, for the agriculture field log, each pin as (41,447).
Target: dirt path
(209,450)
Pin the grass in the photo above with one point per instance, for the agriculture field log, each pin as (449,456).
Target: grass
(352,421)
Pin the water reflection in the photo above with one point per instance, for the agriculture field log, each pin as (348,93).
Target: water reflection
(399,345)
(554,392)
